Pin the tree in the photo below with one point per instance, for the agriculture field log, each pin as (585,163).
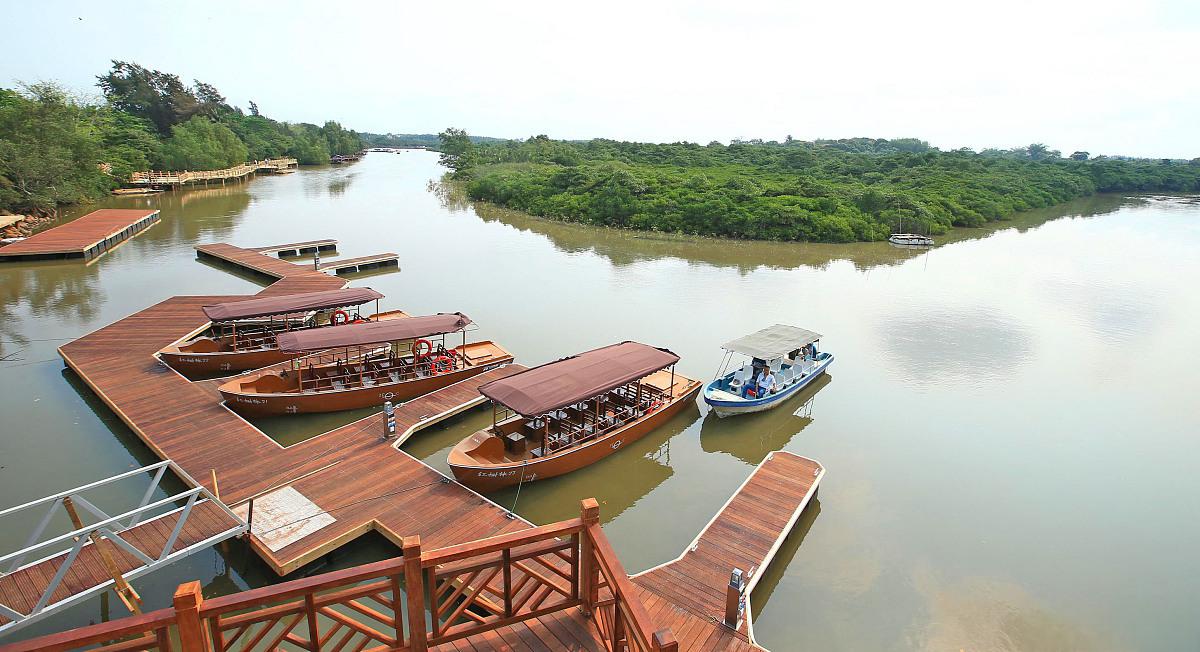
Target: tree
(458,152)
(156,96)
(1037,151)
(1080,156)
(253,108)
(201,144)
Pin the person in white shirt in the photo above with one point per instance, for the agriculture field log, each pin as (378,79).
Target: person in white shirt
(764,383)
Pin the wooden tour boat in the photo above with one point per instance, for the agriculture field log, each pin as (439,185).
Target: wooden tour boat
(363,365)
(564,415)
(241,335)
(789,353)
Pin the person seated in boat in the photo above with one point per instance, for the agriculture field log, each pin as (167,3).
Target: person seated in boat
(764,383)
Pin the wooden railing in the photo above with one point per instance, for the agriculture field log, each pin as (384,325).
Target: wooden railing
(154,177)
(409,603)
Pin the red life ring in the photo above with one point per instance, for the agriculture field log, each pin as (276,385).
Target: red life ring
(416,350)
(345,318)
(441,365)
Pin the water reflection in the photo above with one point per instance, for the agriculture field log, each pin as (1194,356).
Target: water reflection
(945,346)
(749,437)
(46,289)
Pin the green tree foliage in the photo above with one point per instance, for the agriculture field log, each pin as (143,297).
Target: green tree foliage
(201,144)
(458,151)
(55,149)
(834,191)
(48,150)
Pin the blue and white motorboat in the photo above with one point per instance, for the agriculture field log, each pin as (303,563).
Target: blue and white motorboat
(788,352)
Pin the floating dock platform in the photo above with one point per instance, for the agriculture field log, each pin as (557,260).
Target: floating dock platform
(298,248)
(258,259)
(85,238)
(360,264)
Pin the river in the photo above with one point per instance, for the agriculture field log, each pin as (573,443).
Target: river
(1009,427)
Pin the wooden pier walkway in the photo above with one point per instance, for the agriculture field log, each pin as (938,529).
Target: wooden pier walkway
(298,248)
(258,260)
(745,535)
(87,575)
(360,264)
(86,237)
(157,178)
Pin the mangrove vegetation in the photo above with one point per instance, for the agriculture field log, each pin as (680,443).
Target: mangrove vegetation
(829,191)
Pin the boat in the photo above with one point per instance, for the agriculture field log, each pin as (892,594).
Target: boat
(124,192)
(789,352)
(564,415)
(910,240)
(241,334)
(363,365)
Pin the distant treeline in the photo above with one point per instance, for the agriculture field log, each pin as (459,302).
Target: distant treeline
(829,191)
(428,141)
(57,149)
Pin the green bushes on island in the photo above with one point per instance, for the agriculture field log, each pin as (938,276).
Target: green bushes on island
(57,149)
(828,191)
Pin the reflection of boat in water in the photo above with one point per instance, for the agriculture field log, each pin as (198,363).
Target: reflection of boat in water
(910,240)
(786,354)
(567,414)
(363,365)
(242,334)
(134,192)
(752,438)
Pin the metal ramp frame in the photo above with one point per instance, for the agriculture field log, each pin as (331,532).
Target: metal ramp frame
(136,531)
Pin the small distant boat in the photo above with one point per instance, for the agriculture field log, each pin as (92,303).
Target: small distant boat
(363,365)
(910,240)
(242,334)
(122,192)
(791,355)
(564,415)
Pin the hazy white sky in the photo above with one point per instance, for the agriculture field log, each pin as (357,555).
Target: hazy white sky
(1106,77)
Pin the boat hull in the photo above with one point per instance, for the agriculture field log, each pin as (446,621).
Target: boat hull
(193,365)
(485,478)
(283,403)
(726,404)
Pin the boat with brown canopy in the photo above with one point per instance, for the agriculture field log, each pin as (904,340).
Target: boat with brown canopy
(241,334)
(564,415)
(363,365)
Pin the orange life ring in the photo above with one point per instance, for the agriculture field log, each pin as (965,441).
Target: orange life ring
(333,319)
(441,361)
(416,346)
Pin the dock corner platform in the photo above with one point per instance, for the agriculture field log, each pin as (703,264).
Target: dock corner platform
(84,238)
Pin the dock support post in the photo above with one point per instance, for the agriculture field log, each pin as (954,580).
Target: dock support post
(414,590)
(187,617)
(733,598)
(664,641)
(589,513)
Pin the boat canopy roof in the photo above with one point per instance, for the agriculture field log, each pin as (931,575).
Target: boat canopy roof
(289,303)
(570,380)
(375,332)
(772,342)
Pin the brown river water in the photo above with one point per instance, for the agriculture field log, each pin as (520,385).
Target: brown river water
(1009,428)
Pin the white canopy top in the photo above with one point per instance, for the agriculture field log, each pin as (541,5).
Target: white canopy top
(772,342)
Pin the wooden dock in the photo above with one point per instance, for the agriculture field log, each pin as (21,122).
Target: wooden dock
(744,535)
(85,238)
(257,260)
(87,575)
(298,248)
(360,264)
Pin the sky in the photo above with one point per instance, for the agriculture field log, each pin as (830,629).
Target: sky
(1103,77)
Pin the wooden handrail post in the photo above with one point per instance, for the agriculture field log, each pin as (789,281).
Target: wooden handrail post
(664,641)
(414,589)
(187,617)
(589,513)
